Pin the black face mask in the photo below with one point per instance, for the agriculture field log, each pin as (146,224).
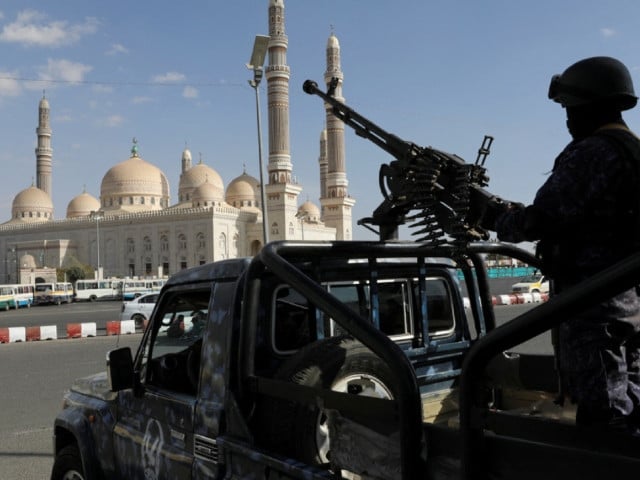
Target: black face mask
(582,121)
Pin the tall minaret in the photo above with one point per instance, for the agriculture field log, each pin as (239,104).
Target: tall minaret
(336,203)
(44,152)
(282,194)
(324,165)
(186,159)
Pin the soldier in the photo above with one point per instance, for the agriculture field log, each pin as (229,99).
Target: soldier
(587,217)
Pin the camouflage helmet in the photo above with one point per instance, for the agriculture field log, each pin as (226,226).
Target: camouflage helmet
(594,80)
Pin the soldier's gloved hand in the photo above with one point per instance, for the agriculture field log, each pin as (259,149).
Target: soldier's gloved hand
(494,208)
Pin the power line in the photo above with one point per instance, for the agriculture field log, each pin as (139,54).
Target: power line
(125,83)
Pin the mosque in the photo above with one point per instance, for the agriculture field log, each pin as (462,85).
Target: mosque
(134,230)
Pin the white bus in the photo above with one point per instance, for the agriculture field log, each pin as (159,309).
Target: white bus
(16,296)
(56,292)
(94,290)
(134,288)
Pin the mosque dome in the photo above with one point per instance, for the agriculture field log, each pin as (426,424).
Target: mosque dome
(32,205)
(242,191)
(206,195)
(309,212)
(196,176)
(134,185)
(82,205)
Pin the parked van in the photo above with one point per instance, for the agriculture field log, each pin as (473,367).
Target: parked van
(57,293)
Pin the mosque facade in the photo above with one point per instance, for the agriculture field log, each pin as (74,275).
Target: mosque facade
(134,230)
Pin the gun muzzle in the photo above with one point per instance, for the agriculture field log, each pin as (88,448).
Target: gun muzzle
(310,87)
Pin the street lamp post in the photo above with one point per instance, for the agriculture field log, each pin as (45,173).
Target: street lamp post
(256,63)
(97,216)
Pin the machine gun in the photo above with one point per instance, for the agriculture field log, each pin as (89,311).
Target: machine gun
(444,191)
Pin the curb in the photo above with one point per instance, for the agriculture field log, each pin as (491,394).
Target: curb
(513,299)
(73,330)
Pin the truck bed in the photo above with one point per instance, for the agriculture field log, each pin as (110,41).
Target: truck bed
(527,435)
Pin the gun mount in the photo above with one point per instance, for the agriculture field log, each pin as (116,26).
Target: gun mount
(432,189)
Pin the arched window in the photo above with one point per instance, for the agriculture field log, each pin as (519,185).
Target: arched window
(200,241)
(146,241)
(274,229)
(164,243)
(182,241)
(131,245)
(222,246)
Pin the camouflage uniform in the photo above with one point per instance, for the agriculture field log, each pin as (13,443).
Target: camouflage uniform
(585,216)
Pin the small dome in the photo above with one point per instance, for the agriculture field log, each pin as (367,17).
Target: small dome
(206,195)
(32,205)
(196,176)
(82,205)
(309,212)
(134,185)
(243,191)
(44,103)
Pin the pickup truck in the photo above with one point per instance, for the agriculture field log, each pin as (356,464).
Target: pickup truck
(358,360)
(326,360)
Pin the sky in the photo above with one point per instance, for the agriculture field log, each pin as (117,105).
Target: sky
(172,74)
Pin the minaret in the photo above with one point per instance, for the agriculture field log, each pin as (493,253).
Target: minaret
(186,159)
(322,160)
(336,203)
(43,150)
(282,194)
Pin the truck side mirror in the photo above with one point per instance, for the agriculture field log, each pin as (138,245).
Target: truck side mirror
(120,369)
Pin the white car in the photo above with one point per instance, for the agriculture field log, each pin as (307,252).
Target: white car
(139,309)
(536,283)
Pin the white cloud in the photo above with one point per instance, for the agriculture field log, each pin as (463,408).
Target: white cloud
(139,100)
(169,77)
(608,32)
(117,48)
(62,71)
(113,121)
(190,92)
(101,88)
(32,28)
(9,86)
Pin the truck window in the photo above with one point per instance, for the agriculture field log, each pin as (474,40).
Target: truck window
(173,357)
(292,323)
(439,307)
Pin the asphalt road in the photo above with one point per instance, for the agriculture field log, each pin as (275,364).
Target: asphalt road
(60,315)
(34,376)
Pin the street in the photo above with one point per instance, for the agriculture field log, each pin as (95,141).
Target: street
(60,315)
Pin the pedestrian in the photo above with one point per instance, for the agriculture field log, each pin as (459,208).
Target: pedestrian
(586,217)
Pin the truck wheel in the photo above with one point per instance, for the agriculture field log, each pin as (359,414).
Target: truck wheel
(341,364)
(68,465)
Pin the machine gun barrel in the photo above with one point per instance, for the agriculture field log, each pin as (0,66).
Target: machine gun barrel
(362,126)
(442,187)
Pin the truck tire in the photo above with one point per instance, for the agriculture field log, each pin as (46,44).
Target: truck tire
(341,364)
(68,465)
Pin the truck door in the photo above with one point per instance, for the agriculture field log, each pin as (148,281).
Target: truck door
(154,432)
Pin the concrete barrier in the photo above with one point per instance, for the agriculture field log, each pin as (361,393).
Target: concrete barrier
(80,330)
